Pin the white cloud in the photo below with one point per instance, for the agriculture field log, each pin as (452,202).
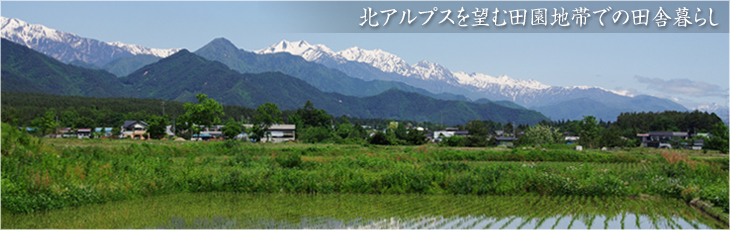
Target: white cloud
(683,86)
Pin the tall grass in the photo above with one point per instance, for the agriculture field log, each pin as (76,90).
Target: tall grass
(43,177)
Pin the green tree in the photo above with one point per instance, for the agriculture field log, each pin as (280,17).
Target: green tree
(478,134)
(415,137)
(46,123)
(206,113)
(314,134)
(589,132)
(157,126)
(232,129)
(116,131)
(719,140)
(453,141)
(344,128)
(664,123)
(379,138)
(69,117)
(266,115)
(399,132)
(508,129)
(10,115)
(540,134)
(183,128)
(312,117)
(611,137)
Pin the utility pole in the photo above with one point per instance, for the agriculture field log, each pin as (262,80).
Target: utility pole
(163,108)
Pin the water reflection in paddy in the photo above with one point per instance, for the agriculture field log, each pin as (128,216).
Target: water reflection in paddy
(626,221)
(239,210)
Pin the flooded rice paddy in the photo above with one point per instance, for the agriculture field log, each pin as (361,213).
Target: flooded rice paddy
(296,211)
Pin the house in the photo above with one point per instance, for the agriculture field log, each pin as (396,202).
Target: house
(698,144)
(83,133)
(67,132)
(571,139)
(277,133)
(207,133)
(448,132)
(658,139)
(134,129)
(281,133)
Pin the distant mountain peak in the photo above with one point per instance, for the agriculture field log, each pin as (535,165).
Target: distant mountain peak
(222,43)
(391,63)
(382,65)
(67,47)
(300,48)
(29,32)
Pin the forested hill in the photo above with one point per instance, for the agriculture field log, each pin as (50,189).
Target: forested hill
(183,75)
(26,70)
(20,108)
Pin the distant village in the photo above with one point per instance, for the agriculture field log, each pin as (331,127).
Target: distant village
(278,133)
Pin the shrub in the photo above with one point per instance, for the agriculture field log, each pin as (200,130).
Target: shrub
(289,160)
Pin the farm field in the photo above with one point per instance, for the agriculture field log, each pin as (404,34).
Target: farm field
(240,210)
(428,186)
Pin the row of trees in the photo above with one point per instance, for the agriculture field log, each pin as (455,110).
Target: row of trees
(593,133)
(315,125)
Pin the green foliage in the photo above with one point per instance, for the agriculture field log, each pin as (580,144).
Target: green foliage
(15,141)
(257,133)
(611,137)
(106,112)
(10,115)
(123,66)
(46,124)
(314,134)
(232,129)
(541,135)
(157,126)
(313,117)
(478,134)
(116,131)
(415,137)
(25,70)
(453,141)
(206,113)
(590,132)
(664,124)
(642,122)
(379,138)
(87,175)
(266,115)
(719,140)
(289,160)
(243,159)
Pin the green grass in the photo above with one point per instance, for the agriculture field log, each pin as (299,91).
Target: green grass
(59,174)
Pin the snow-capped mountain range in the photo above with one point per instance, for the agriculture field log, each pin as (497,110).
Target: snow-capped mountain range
(368,65)
(524,92)
(68,47)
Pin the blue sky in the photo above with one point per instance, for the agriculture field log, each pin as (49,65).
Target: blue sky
(691,67)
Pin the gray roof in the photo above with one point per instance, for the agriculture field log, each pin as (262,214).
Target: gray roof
(668,134)
(506,138)
(128,123)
